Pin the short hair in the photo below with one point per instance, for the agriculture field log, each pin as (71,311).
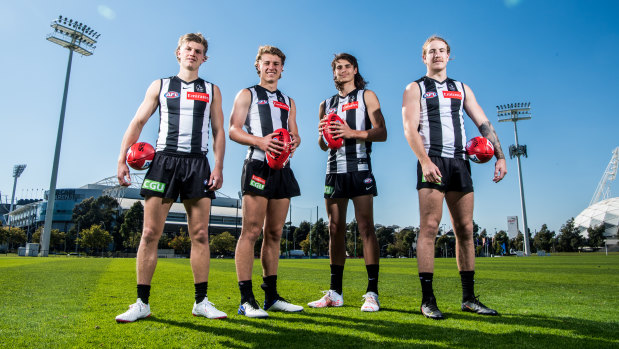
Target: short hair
(433,38)
(267,49)
(191,37)
(359,81)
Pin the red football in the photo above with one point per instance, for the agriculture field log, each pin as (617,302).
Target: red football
(479,149)
(278,161)
(328,137)
(140,155)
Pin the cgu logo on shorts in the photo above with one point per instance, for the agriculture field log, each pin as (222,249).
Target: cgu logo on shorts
(452,94)
(257,182)
(171,94)
(351,105)
(328,190)
(153,185)
(430,94)
(198,96)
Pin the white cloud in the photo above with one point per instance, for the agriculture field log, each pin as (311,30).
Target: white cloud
(512,3)
(106,12)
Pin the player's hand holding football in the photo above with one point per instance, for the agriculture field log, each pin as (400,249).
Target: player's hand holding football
(500,170)
(342,130)
(269,144)
(294,143)
(321,125)
(124,178)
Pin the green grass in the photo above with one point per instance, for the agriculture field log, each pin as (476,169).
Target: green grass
(567,301)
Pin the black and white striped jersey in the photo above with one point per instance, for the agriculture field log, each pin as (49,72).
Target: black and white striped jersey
(185,115)
(268,111)
(354,155)
(441,124)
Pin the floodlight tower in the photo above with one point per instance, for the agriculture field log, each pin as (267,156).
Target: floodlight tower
(17,171)
(78,37)
(515,112)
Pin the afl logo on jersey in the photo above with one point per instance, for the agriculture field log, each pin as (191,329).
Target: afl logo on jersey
(171,94)
(332,111)
(262,101)
(429,95)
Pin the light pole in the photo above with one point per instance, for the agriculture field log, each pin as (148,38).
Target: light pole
(17,171)
(515,112)
(78,37)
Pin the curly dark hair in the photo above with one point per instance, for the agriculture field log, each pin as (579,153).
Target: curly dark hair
(359,81)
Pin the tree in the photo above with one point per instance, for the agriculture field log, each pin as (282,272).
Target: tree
(131,228)
(543,239)
(101,211)
(13,237)
(499,239)
(517,243)
(181,243)
(319,239)
(95,238)
(385,236)
(353,246)
(596,235)
(223,243)
(56,237)
(445,245)
(570,239)
(300,233)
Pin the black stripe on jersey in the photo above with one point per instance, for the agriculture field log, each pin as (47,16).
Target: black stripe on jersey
(198,118)
(333,103)
(283,112)
(174,108)
(434,119)
(264,110)
(455,119)
(351,144)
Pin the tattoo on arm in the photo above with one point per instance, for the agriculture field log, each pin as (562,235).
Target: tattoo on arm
(487,130)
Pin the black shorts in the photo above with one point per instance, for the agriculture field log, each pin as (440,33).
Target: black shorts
(259,179)
(349,185)
(171,174)
(456,175)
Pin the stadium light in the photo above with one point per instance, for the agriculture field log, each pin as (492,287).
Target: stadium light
(17,171)
(515,112)
(73,36)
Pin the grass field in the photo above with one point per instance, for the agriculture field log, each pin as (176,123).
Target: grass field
(559,301)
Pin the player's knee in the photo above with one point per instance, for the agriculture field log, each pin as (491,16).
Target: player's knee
(250,234)
(150,236)
(464,231)
(200,237)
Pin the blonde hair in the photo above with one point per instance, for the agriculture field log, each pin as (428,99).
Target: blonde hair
(266,49)
(430,39)
(191,37)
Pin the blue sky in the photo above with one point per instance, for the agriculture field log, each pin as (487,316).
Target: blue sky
(559,55)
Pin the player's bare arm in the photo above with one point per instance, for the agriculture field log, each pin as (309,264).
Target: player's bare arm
(292,128)
(322,121)
(411,112)
(378,132)
(145,111)
(476,113)
(219,140)
(237,120)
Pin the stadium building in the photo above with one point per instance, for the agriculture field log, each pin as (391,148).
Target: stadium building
(605,212)
(225,211)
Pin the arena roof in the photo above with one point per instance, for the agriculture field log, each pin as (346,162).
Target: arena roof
(604,212)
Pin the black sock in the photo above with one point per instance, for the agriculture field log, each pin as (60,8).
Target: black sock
(372,278)
(426,285)
(270,288)
(337,273)
(200,291)
(246,291)
(468,285)
(144,293)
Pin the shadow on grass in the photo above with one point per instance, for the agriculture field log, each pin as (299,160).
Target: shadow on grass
(317,330)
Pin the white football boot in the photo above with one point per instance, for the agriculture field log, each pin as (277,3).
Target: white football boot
(136,311)
(252,309)
(282,305)
(330,299)
(371,302)
(208,310)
